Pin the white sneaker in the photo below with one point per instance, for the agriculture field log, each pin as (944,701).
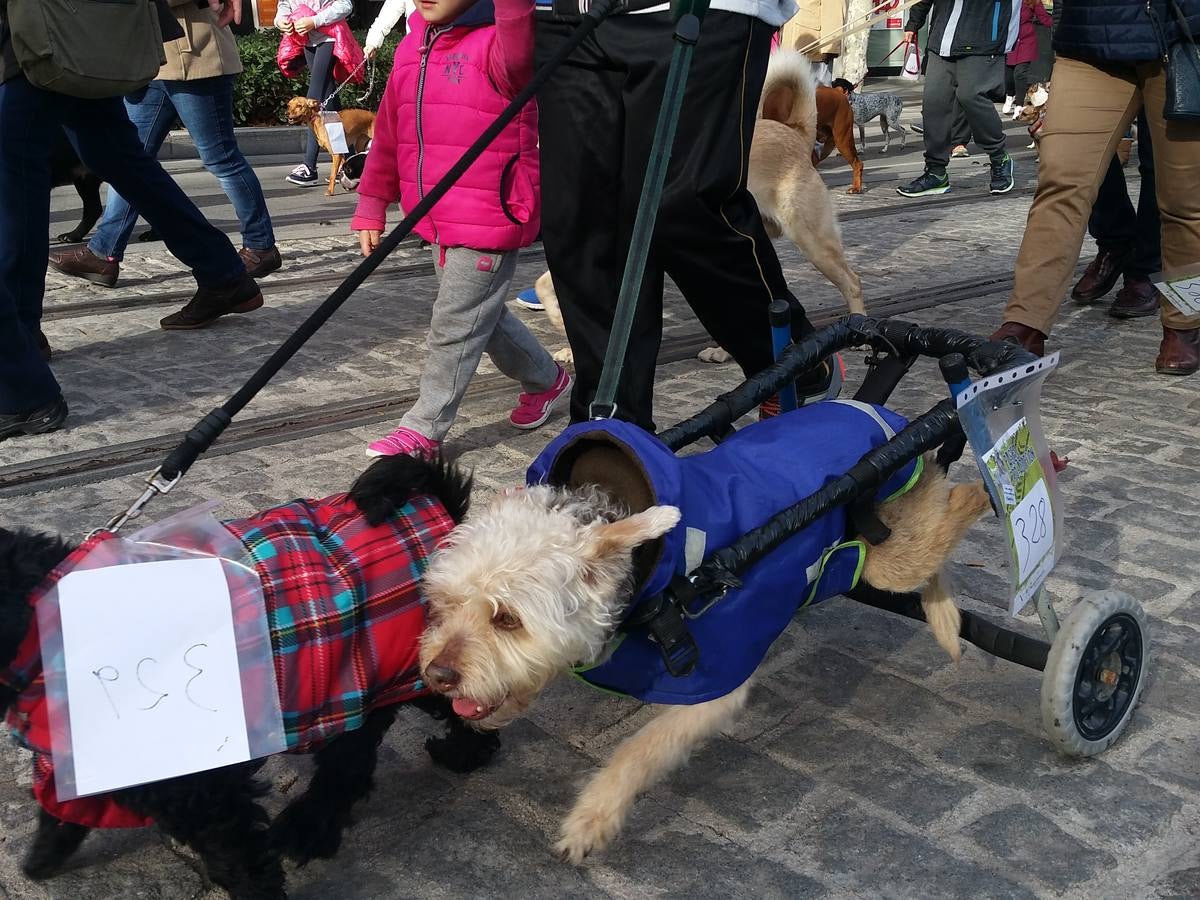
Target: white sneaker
(1007,108)
(1016,113)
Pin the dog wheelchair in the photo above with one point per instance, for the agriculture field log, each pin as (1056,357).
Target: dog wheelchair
(1093,665)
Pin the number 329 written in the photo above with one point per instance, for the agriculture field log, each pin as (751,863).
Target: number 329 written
(149,688)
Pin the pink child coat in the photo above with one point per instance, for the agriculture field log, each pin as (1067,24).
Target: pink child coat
(448,83)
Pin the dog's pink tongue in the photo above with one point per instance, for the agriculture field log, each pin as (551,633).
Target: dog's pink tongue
(468,708)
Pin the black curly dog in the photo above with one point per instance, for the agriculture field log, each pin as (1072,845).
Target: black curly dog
(217,813)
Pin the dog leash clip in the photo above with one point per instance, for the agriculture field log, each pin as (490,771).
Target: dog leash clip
(155,484)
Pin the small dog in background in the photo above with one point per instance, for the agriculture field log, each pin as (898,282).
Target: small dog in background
(370,546)
(359,125)
(1033,112)
(834,129)
(866,107)
(536,582)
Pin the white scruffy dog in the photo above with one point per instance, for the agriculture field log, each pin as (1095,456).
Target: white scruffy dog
(536,581)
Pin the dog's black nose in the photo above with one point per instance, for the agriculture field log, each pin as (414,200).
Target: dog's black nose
(441,678)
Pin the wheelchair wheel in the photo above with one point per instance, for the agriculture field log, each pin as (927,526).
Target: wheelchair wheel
(1095,672)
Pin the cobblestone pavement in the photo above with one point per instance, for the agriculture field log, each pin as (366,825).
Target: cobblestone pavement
(866,764)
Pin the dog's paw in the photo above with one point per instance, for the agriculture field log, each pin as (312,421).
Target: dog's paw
(463,749)
(714,355)
(303,833)
(589,828)
(564,356)
(853,190)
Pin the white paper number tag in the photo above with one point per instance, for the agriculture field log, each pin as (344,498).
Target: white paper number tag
(1181,287)
(336,133)
(1000,417)
(152,677)
(1014,465)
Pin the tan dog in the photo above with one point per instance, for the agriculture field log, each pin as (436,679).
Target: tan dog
(791,197)
(535,582)
(359,125)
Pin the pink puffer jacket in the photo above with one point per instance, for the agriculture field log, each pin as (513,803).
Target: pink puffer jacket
(448,83)
(347,54)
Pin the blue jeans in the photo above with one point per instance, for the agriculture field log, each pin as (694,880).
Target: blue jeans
(108,144)
(206,109)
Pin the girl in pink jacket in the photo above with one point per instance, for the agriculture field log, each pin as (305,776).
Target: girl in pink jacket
(456,69)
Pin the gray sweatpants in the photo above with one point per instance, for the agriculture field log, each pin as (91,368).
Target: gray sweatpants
(969,79)
(470,317)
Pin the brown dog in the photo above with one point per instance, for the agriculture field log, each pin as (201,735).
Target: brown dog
(835,129)
(359,125)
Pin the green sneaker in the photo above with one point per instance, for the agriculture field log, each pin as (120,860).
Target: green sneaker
(928,183)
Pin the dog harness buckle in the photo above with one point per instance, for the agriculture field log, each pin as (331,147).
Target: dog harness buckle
(669,630)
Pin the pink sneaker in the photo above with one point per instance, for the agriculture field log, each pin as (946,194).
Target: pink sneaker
(534,409)
(404,440)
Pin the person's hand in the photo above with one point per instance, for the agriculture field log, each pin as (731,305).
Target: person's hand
(305,25)
(909,37)
(368,240)
(371,51)
(286,26)
(226,11)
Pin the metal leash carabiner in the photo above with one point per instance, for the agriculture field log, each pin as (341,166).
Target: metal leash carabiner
(156,484)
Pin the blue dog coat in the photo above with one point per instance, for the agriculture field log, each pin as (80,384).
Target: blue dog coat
(722,494)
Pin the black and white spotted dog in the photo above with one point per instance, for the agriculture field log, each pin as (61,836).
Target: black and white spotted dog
(867,106)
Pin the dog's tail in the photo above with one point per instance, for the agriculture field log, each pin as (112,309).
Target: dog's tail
(942,614)
(790,94)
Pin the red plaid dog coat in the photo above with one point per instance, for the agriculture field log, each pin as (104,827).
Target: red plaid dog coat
(345,618)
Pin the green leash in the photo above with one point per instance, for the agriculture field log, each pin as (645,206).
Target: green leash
(688,14)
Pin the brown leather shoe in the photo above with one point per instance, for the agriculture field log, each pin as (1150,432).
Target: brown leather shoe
(1016,333)
(80,262)
(260,263)
(210,303)
(1136,299)
(44,346)
(1179,352)
(1099,278)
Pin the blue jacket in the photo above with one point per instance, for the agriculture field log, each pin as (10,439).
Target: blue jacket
(1118,30)
(723,494)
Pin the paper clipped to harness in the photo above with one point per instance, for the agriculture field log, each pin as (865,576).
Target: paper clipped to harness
(1029,515)
(152,676)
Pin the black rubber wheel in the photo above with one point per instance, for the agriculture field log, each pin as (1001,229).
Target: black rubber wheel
(1095,672)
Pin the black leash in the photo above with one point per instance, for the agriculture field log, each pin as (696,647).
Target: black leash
(688,16)
(208,429)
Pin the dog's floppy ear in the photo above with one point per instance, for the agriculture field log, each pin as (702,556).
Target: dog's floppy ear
(623,535)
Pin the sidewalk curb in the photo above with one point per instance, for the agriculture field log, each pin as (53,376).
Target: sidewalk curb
(280,140)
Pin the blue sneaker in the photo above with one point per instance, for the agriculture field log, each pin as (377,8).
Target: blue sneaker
(529,299)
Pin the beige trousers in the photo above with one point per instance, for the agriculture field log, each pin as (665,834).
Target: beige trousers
(1090,108)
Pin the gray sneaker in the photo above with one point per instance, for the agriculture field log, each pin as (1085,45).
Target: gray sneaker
(928,183)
